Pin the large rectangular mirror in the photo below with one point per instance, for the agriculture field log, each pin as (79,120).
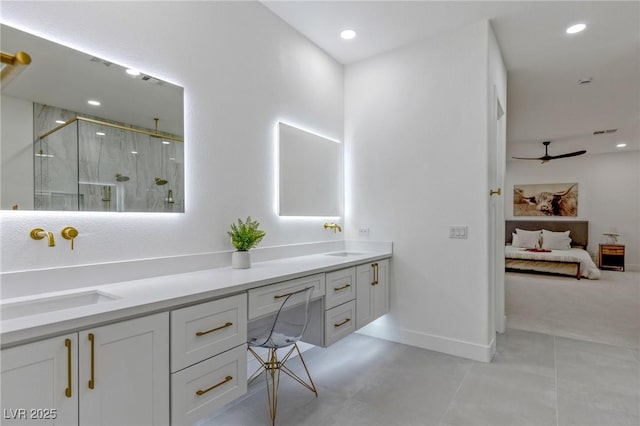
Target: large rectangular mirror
(80,133)
(310,168)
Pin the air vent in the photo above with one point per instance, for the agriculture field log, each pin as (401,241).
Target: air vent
(605,132)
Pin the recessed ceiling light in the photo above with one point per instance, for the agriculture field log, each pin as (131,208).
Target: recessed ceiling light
(100,133)
(93,102)
(621,145)
(576,28)
(133,72)
(134,152)
(348,34)
(60,121)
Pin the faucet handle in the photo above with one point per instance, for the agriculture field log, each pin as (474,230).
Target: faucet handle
(69,233)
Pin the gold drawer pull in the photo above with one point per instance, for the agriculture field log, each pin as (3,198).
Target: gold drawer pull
(342,323)
(280,296)
(92,382)
(341,288)
(226,379)
(202,333)
(67,391)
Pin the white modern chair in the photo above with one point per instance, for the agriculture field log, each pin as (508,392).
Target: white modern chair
(283,330)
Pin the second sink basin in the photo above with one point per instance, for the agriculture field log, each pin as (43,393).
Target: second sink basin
(25,308)
(344,253)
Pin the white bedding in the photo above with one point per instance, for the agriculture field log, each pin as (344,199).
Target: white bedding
(519,258)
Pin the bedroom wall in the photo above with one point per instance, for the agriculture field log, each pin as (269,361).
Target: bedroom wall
(609,194)
(416,163)
(238,84)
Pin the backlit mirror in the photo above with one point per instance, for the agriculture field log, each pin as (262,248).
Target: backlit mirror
(80,133)
(310,173)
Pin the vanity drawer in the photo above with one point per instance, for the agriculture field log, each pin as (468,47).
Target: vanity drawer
(268,299)
(202,388)
(339,322)
(340,287)
(202,331)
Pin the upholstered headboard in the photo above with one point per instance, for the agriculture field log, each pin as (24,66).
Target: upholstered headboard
(579,229)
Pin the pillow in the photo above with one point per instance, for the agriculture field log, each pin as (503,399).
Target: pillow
(528,240)
(556,240)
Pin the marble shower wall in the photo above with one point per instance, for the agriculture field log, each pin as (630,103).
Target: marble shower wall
(93,167)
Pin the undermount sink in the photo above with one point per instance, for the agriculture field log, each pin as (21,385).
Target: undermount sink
(42,305)
(344,253)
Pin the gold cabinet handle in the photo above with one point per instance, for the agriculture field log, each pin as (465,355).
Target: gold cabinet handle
(202,333)
(495,192)
(202,392)
(280,296)
(342,287)
(67,391)
(92,382)
(342,323)
(375,274)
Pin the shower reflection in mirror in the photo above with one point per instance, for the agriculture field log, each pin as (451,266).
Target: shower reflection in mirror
(91,164)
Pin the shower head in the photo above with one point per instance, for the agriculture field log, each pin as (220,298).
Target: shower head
(160,181)
(121,178)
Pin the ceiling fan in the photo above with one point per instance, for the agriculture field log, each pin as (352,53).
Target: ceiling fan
(546,157)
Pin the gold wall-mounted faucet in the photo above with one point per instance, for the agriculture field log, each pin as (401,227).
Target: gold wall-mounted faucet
(333,226)
(39,234)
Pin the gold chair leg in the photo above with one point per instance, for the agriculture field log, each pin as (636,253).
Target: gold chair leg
(272,368)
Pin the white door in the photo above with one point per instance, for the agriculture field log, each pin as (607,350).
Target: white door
(496,215)
(39,382)
(124,373)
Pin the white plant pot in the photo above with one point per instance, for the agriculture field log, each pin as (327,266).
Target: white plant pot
(241,260)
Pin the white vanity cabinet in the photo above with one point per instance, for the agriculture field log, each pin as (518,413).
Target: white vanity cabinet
(340,305)
(39,382)
(123,372)
(111,375)
(372,290)
(208,357)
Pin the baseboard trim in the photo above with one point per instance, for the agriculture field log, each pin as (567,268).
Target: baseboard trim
(447,345)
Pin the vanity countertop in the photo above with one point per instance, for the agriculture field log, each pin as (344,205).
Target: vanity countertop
(150,295)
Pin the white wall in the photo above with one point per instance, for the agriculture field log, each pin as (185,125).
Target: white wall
(416,163)
(243,69)
(608,191)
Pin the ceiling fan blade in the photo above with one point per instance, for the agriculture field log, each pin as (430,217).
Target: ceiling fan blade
(525,158)
(570,154)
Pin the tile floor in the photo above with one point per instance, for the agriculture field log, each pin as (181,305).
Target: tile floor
(535,379)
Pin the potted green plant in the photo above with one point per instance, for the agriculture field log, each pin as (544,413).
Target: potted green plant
(244,236)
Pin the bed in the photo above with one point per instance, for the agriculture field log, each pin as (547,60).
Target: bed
(574,261)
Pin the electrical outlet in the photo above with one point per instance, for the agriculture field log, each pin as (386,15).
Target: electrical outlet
(363,231)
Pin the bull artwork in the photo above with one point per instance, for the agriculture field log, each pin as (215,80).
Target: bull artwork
(559,199)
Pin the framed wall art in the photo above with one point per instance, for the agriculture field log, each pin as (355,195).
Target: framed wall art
(545,199)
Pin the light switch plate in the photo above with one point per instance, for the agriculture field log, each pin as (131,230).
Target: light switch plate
(458,232)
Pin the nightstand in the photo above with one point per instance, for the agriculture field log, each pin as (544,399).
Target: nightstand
(611,256)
